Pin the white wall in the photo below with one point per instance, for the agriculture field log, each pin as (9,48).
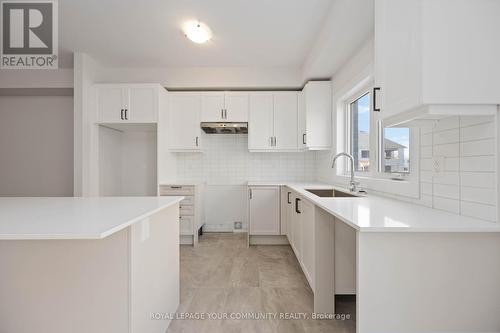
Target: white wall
(226,166)
(36,145)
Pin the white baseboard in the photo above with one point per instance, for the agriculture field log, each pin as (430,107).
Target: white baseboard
(268,240)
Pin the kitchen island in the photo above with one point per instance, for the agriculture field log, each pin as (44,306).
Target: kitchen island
(100,264)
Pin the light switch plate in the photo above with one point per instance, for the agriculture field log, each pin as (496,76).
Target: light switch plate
(438,165)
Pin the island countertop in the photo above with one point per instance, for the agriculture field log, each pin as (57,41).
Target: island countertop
(31,218)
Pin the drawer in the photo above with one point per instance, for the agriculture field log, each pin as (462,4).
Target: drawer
(176,190)
(187,201)
(186,210)
(186,225)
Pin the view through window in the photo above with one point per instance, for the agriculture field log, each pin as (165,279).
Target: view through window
(396,150)
(360,133)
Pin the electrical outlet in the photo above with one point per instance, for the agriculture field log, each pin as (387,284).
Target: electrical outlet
(238,225)
(438,165)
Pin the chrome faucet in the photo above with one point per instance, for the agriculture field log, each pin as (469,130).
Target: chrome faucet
(352,183)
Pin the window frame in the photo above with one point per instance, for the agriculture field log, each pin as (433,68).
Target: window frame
(376,178)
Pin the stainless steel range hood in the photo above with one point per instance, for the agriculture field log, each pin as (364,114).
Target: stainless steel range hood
(225,128)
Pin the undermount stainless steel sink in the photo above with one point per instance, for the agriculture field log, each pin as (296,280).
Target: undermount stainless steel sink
(330,193)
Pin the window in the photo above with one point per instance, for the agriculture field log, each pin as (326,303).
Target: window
(396,145)
(359,138)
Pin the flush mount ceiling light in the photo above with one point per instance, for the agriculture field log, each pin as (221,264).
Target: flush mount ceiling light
(197,32)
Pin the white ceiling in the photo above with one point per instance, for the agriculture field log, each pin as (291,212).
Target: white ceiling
(247,33)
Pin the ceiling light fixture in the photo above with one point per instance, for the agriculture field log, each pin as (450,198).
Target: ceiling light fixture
(197,32)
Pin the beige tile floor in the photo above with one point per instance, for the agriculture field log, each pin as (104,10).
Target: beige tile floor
(223,275)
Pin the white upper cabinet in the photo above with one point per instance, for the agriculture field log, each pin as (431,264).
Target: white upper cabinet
(260,122)
(184,122)
(224,107)
(315,116)
(285,120)
(212,107)
(133,103)
(272,123)
(236,107)
(436,57)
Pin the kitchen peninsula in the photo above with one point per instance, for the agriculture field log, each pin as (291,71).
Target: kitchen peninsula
(100,264)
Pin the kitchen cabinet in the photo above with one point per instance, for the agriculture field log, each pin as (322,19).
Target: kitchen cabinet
(286,202)
(191,215)
(296,226)
(184,122)
(427,59)
(132,103)
(260,122)
(272,123)
(264,210)
(315,116)
(224,107)
(308,243)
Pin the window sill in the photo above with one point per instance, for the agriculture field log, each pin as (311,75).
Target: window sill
(408,188)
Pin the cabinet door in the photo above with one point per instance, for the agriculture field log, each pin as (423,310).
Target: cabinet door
(285,120)
(236,106)
(184,121)
(297,227)
(111,101)
(301,122)
(318,105)
(264,210)
(260,122)
(212,107)
(285,198)
(398,52)
(308,245)
(142,106)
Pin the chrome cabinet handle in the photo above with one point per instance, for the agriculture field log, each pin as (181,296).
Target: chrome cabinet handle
(222,113)
(271,141)
(304,138)
(121,114)
(175,186)
(288,199)
(250,193)
(275,141)
(196,141)
(126,117)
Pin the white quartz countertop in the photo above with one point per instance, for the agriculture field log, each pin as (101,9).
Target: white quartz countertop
(74,217)
(378,214)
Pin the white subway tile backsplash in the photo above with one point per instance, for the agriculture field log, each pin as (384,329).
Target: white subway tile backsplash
(477,132)
(477,147)
(447,123)
(426,139)
(478,195)
(448,178)
(478,179)
(446,204)
(480,211)
(448,136)
(474,120)
(478,163)
(446,191)
(447,150)
(226,160)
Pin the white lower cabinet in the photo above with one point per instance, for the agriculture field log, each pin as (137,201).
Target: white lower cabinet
(308,248)
(191,217)
(264,210)
(301,234)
